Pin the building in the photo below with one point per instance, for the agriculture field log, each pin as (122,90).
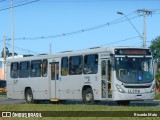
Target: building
(2,74)
(3,68)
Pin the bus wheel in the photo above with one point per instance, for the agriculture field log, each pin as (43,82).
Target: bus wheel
(87,96)
(124,103)
(29,96)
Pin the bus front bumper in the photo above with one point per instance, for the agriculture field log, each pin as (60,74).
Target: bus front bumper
(133,97)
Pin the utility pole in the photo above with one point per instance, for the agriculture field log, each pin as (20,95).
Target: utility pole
(4,56)
(50,48)
(145,12)
(12,14)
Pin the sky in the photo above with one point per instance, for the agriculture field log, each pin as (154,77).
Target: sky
(44,26)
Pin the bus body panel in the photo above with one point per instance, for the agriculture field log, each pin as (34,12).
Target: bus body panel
(145,91)
(71,87)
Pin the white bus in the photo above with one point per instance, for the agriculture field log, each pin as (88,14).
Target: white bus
(121,74)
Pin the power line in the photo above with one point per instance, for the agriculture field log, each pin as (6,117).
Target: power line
(121,40)
(117,21)
(22,49)
(144,12)
(75,1)
(15,3)
(85,1)
(130,23)
(27,50)
(114,42)
(120,20)
(123,19)
(19,5)
(2,0)
(76,32)
(157,9)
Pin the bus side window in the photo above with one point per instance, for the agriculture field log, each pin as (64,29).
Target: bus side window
(75,65)
(44,67)
(24,69)
(36,68)
(64,66)
(14,70)
(90,64)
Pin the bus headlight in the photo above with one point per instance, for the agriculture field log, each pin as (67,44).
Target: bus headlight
(153,88)
(120,89)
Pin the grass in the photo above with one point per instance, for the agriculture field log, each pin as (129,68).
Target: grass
(73,107)
(3,95)
(77,107)
(157,97)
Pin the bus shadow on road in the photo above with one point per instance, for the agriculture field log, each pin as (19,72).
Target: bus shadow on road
(74,102)
(113,103)
(133,103)
(145,103)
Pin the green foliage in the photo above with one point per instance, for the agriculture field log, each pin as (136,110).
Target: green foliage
(158,76)
(157,97)
(158,82)
(8,54)
(63,107)
(155,46)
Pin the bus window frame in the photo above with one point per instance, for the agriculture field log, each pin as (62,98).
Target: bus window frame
(14,73)
(25,71)
(44,68)
(35,72)
(64,68)
(88,68)
(75,69)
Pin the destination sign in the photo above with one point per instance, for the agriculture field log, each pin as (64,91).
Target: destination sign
(132,52)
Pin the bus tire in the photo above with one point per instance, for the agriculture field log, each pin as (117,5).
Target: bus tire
(29,96)
(88,97)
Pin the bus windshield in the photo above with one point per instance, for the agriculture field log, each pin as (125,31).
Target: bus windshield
(134,70)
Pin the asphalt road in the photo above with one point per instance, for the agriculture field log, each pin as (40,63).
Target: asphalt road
(11,101)
(132,103)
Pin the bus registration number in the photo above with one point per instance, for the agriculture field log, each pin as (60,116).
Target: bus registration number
(133,91)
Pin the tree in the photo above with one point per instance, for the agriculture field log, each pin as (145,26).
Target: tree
(8,54)
(158,81)
(155,46)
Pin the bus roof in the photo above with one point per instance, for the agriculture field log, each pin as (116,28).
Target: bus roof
(72,53)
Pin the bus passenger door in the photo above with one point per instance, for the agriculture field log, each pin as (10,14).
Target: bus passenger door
(54,77)
(106,82)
